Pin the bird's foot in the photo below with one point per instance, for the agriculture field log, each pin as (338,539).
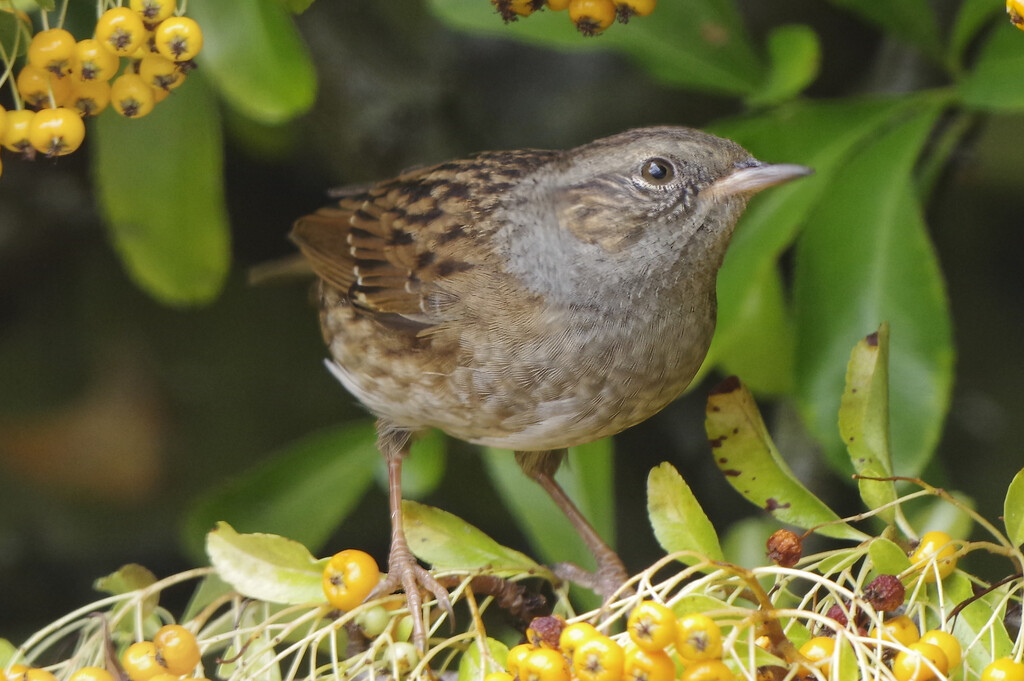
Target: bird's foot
(405,574)
(608,581)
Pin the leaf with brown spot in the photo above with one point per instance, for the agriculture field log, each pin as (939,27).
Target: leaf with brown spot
(756,468)
(864,419)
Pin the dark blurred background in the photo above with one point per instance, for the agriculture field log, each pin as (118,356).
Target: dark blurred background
(116,411)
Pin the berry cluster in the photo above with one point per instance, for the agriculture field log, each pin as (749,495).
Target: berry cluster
(172,655)
(64,80)
(591,17)
(658,642)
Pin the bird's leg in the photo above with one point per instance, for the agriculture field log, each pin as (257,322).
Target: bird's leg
(611,574)
(403,571)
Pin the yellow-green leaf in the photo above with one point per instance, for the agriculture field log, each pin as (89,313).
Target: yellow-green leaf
(267,567)
(887,558)
(448,542)
(679,522)
(864,419)
(473,666)
(1013,509)
(746,454)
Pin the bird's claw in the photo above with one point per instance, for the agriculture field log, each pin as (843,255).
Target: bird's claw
(405,574)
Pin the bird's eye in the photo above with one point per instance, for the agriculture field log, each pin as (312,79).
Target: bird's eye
(657,171)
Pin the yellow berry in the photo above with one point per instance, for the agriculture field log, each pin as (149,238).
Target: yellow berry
(698,638)
(36,86)
(899,629)
(647,665)
(652,626)
(91,674)
(819,651)
(15,673)
(178,38)
(160,73)
(516,657)
(575,634)
(499,676)
(544,664)
(16,135)
(35,674)
(140,663)
(1003,669)
(592,17)
(598,659)
(153,11)
(1015,8)
(89,98)
(3,121)
(948,643)
(921,662)
(630,8)
(94,62)
(52,50)
(934,554)
(176,649)
(349,578)
(56,132)
(707,670)
(557,5)
(131,96)
(121,31)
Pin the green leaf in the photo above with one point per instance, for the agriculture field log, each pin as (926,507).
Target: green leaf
(887,558)
(980,624)
(266,567)
(1013,510)
(128,578)
(297,6)
(8,653)
(848,668)
(821,135)
(46,5)
(864,419)
(745,453)
(794,59)
(159,180)
(15,35)
(970,18)
(837,561)
(448,542)
(698,44)
(256,57)
(472,666)
(864,258)
(912,20)
(995,84)
(303,491)
(422,470)
(679,522)
(210,589)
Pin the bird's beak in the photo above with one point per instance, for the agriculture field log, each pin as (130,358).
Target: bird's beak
(754,177)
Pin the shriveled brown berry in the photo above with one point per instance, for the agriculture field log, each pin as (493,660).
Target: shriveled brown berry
(885,593)
(784,548)
(545,631)
(838,613)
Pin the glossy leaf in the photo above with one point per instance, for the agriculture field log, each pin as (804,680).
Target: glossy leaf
(699,44)
(256,57)
(994,83)
(160,187)
(126,579)
(980,623)
(864,258)
(864,419)
(819,135)
(794,55)
(887,558)
(266,567)
(745,453)
(679,522)
(303,492)
(970,18)
(8,653)
(448,542)
(1013,510)
(912,20)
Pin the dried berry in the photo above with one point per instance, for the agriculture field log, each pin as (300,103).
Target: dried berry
(545,631)
(784,548)
(885,593)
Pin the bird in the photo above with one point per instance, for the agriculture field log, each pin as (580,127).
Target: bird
(530,300)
